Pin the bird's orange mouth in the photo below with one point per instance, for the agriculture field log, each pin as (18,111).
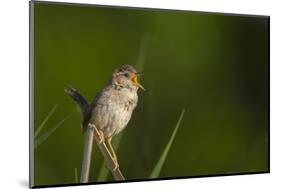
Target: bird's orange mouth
(134,79)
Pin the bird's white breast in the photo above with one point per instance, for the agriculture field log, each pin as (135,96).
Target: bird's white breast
(113,116)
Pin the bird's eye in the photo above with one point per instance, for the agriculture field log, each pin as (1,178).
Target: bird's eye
(126,75)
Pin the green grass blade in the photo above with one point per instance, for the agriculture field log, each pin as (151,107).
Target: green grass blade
(157,169)
(76,175)
(44,136)
(45,121)
(141,55)
(104,172)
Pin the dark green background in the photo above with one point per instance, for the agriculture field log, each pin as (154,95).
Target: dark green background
(213,65)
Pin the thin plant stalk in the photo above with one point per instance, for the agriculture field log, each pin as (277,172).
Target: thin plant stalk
(76,175)
(117,174)
(103,173)
(88,146)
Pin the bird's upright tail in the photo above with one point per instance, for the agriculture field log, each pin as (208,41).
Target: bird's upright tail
(80,100)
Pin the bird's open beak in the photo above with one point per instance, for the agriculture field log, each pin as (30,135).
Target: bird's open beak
(135,81)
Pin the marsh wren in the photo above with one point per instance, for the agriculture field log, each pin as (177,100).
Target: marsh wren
(112,107)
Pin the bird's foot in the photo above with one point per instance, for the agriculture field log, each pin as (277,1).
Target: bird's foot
(116,165)
(98,134)
(101,136)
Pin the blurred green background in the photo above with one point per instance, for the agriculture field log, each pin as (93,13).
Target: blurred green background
(213,65)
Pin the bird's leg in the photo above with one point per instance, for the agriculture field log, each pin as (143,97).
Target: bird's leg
(114,156)
(98,134)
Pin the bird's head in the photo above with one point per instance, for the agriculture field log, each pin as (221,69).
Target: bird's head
(126,76)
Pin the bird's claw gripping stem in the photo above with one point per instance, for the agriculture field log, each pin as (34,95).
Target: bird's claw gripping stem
(99,134)
(116,165)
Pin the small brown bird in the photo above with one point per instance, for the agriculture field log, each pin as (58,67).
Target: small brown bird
(113,106)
